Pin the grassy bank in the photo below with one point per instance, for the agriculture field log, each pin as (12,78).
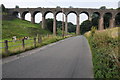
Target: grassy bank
(105,52)
(21,28)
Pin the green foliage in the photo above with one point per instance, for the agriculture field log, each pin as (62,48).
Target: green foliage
(70,6)
(85,26)
(16,6)
(49,26)
(71,27)
(118,8)
(95,19)
(20,28)
(111,8)
(58,7)
(107,18)
(103,48)
(103,7)
(117,19)
(59,31)
(93,29)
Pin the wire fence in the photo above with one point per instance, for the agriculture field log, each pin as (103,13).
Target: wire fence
(7,45)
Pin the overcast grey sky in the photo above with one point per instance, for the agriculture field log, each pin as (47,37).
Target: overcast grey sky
(61,3)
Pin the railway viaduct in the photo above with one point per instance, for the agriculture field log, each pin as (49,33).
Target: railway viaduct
(66,11)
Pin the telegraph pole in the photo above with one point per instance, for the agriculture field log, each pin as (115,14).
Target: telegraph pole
(63,22)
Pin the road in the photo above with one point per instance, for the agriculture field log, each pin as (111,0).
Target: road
(70,58)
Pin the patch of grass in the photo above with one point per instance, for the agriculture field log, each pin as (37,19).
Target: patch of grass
(105,45)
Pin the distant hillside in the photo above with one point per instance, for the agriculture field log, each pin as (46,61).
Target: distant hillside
(21,28)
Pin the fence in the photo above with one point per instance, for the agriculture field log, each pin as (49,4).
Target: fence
(6,45)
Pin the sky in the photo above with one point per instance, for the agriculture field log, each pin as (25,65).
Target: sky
(61,3)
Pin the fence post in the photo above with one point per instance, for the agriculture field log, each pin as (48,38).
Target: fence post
(23,43)
(6,46)
(34,42)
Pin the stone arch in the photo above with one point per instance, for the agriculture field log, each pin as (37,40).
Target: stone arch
(84,18)
(16,14)
(45,13)
(49,15)
(72,12)
(35,12)
(35,16)
(107,17)
(98,14)
(23,14)
(117,19)
(87,13)
(76,21)
(43,18)
(59,18)
(84,13)
(58,12)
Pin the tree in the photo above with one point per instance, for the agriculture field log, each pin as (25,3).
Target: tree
(3,8)
(117,19)
(70,7)
(71,27)
(85,26)
(58,7)
(118,8)
(103,7)
(16,6)
(49,24)
(95,20)
(107,18)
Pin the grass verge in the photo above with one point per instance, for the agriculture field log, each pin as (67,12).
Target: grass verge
(105,52)
(29,45)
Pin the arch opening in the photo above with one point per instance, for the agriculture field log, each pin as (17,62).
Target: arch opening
(95,19)
(85,23)
(83,17)
(117,20)
(49,21)
(26,16)
(16,14)
(72,22)
(38,17)
(107,17)
(59,18)
(47,12)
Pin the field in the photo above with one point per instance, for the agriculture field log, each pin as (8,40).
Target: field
(105,52)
